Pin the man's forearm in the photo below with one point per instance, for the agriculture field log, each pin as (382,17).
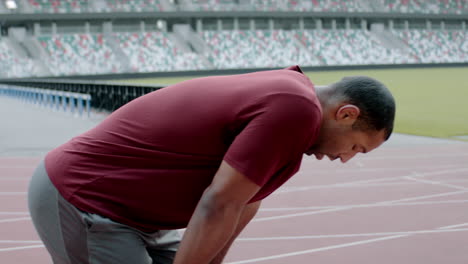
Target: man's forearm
(209,230)
(248,213)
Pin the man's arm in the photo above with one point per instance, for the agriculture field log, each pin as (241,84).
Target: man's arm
(216,217)
(249,212)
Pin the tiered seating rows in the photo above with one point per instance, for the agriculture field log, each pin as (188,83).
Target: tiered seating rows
(426,6)
(81,6)
(58,6)
(241,49)
(13,66)
(129,6)
(401,6)
(154,51)
(433,46)
(80,54)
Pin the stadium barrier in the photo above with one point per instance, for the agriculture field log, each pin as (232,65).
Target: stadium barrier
(77,104)
(106,96)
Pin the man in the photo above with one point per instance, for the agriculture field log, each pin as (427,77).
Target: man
(200,154)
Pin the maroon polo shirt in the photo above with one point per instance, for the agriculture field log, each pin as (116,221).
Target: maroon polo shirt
(147,164)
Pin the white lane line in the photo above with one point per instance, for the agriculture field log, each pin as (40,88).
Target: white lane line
(20,242)
(20,248)
(261,219)
(430,231)
(16,167)
(276,209)
(334,185)
(12,193)
(9,220)
(352,184)
(438,183)
(400,235)
(453,226)
(416,156)
(362,242)
(14,213)
(423,197)
(379,169)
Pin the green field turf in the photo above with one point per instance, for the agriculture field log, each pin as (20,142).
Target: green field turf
(430,102)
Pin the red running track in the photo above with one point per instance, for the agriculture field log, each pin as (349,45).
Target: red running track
(399,204)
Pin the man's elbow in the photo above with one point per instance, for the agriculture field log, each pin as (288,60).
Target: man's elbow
(215,204)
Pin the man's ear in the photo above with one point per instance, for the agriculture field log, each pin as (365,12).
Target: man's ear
(347,114)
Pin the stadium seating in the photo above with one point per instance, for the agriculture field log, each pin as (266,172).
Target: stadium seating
(436,46)
(79,54)
(129,6)
(13,66)
(233,49)
(79,6)
(58,6)
(154,51)
(208,5)
(350,47)
(426,6)
(260,48)
(401,6)
(328,5)
(276,5)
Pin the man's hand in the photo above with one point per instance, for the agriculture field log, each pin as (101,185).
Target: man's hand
(217,217)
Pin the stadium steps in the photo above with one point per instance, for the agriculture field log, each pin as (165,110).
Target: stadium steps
(113,43)
(38,55)
(388,40)
(16,47)
(187,40)
(377,6)
(314,57)
(166,5)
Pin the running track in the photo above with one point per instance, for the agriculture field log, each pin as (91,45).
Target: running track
(405,203)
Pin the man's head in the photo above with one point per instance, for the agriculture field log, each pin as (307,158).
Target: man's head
(358,116)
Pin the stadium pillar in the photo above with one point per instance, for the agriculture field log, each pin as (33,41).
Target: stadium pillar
(406,25)
(442,25)
(236,23)
(87,27)
(219,24)
(333,24)
(252,24)
(364,24)
(107,28)
(54,28)
(347,24)
(37,29)
(318,24)
(464,25)
(271,24)
(301,23)
(200,25)
(142,26)
(428,25)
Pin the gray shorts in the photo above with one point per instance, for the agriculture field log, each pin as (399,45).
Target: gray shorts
(73,236)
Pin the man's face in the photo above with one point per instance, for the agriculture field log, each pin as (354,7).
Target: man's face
(344,143)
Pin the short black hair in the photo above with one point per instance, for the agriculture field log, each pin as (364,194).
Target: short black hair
(374,100)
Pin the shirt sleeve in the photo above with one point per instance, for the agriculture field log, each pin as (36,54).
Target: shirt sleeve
(279,131)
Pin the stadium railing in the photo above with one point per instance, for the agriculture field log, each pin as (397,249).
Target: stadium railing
(77,104)
(106,96)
